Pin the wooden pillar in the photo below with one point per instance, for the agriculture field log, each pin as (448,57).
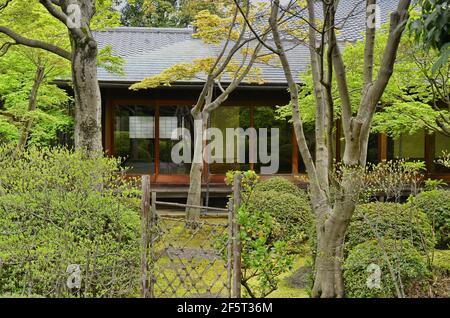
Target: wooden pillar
(382,147)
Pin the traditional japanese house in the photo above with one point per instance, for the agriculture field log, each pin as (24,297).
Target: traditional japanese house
(137,124)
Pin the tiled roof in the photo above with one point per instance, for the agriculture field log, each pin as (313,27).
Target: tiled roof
(148,51)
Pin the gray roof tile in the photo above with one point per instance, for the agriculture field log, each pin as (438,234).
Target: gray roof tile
(148,51)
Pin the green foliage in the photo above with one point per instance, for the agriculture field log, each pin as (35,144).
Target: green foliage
(17,73)
(441,261)
(445,160)
(404,108)
(8,131)
(249,181)
(432,26)
(165,13)
(274,220)
(292,213)
(111,63)
(434,184)
(436,205)
(219,31)
(394,177)
(59,208)
(407,263)
(393,221)
(284,201)
(263,259)
(282,185)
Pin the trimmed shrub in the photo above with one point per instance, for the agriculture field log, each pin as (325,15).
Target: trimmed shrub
(436,205)
(281,185)
(364,260)
(390,220)
(59,208)
(292,213)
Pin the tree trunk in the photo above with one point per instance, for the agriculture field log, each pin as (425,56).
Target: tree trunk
(195,193)
(331,226)
(195,177)
(88,131)
(32,103)
(328,280)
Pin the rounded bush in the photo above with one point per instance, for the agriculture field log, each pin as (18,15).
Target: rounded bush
(367,273)
(281,185)
(436,205)
(292,213)
(390,220)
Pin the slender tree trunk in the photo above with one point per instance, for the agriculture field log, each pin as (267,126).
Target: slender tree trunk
(32,103)
(195,185)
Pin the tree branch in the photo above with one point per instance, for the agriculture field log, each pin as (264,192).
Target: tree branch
(58,14)
(253,30)
(369,47)
(36,43)
(372,94)
(341,80)
(293,90)
(317,61)
(4,5)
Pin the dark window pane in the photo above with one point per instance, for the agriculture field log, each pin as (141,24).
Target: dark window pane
(230,117)
(170,119)
(134,135)
(442,145)
(372,149)
(311,142)
(265,117)
(409,147)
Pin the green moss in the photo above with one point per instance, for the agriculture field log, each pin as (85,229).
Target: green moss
(285,290)
(441,261)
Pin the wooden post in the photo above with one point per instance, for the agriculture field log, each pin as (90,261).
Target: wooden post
(153,220)
(237,202)
(145,222)
(230,250)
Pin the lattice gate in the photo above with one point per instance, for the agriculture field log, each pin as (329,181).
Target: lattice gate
(185,260)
